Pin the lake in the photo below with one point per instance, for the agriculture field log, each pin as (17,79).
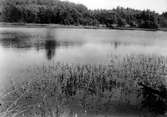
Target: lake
(23,48)
(26,47)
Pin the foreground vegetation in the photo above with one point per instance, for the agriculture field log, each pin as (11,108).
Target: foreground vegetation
(128,84)
(62,12)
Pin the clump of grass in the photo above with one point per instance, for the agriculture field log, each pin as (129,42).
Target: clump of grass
(53,87)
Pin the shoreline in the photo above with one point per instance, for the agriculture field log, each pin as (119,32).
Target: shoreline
(35,25)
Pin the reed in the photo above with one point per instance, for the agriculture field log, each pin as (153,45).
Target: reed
(94,87)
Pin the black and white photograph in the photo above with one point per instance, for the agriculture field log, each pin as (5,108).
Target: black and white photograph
(83,58)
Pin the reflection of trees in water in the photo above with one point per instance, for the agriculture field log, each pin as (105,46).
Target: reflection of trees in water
(15,40)
(24,40)
(119,44)
(116,44)
(50,46)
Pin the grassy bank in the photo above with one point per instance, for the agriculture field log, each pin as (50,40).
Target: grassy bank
(126,85)
(34,25)
(31,25)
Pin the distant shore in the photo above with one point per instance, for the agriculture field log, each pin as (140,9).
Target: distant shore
(33,25)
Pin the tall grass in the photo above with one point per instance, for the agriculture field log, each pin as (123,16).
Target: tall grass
(94,87)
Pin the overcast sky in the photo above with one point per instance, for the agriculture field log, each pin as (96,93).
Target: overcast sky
(156,5)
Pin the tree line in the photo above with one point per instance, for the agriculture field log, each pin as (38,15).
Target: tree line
(68,13)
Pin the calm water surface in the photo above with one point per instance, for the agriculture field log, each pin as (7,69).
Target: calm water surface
(21,47)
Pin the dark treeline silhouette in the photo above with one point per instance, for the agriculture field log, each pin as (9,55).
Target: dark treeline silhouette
(67,13)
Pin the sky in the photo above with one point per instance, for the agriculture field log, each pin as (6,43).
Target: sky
(156,5)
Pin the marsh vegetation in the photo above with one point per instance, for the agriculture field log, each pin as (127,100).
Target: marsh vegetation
(61,72)
(113,88)
(50,71)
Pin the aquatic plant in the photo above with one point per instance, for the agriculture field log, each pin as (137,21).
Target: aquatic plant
(95,87)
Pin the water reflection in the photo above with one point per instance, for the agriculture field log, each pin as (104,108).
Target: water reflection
(15,40)
(21,40)
(50,47)
(116,44)
(50,44)
(120,92)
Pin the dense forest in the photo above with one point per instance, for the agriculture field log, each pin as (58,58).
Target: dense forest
(68,13)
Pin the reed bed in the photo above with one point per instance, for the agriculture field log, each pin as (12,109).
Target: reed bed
(113,87)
